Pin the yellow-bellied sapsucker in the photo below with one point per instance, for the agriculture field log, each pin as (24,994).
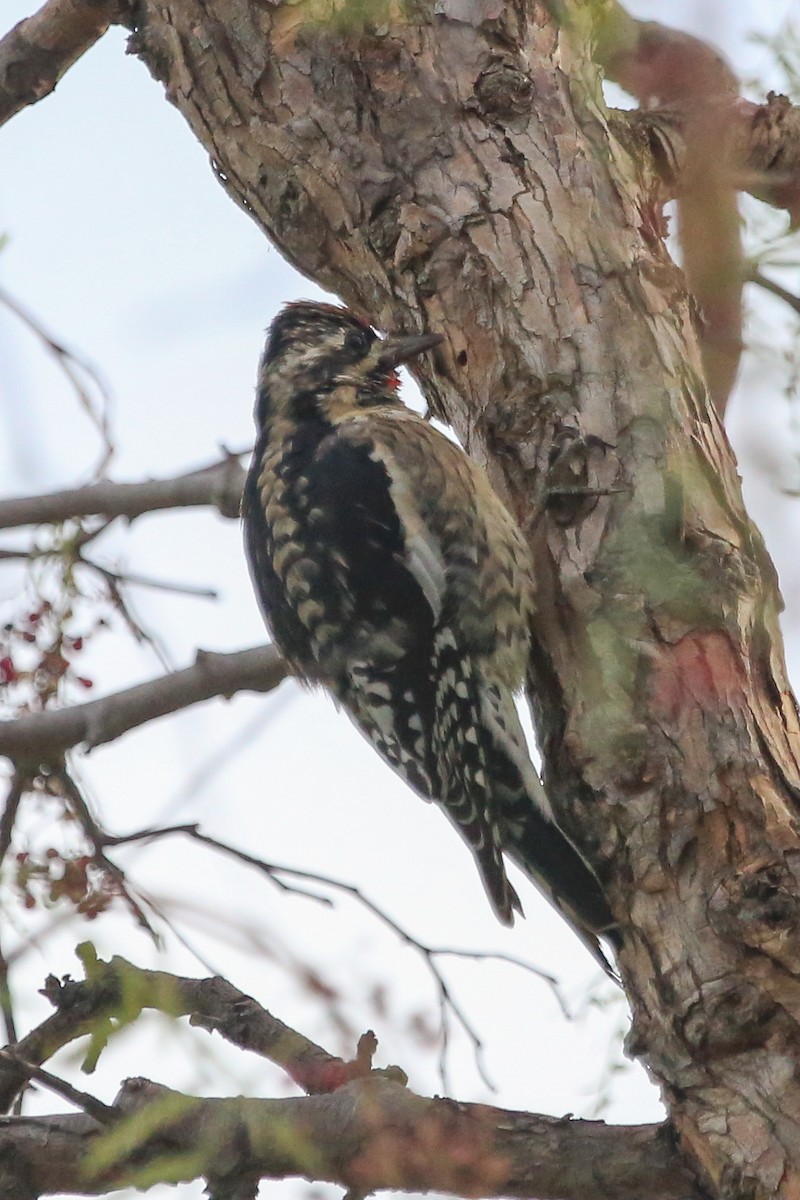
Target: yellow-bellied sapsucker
(389,572)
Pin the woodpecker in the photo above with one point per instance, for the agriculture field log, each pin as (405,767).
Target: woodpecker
(389,572)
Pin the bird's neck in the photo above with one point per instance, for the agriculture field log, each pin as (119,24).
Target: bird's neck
(278,410)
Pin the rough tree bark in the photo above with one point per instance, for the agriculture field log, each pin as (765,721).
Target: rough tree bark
(451,166)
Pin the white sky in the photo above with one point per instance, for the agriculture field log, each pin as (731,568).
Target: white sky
(125,247)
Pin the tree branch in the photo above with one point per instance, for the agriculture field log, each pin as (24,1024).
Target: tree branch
(708,143)
(760,149)
(121,990)
(83,1100)
(359,1127)
(39,50)
(369,1134)
(41,736)
(219,484)
(757,276)
(660,65)
(82,376)
(656,64)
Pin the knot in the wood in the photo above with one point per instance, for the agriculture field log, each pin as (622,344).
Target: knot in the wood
(757,906)
(384,225)
(729,1016)
(503,89)
(569,496)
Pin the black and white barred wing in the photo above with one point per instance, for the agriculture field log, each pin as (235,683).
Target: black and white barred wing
(393,669)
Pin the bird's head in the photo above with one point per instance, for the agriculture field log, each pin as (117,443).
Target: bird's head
(318,354)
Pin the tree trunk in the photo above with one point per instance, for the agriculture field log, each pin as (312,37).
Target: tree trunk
(451,166)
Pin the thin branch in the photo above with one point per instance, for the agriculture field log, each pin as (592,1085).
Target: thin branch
(74,367)
(192,829)
(756,276)
(83,1100)
(219,485)
(83,814)
(128,579)
(136,628)
(10,809)
(447,1002)
(350,889)
(42,736)
(120,990)
(39,50)
(114,579)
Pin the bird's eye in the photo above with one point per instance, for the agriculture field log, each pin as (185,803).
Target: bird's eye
(358,340)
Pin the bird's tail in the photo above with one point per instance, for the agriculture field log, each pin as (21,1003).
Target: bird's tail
(464,778)
(529,833)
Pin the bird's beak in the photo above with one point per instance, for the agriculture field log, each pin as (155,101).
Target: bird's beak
(396,350)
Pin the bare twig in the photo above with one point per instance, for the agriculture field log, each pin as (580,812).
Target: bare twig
(74,367)
(111,577)
(219,484)
(755,275)
(83,1100)
(276,873)
(130,579)
(122,605)
(83,814)
(11,808)
(39,50)
(447,1002)
(43,736)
